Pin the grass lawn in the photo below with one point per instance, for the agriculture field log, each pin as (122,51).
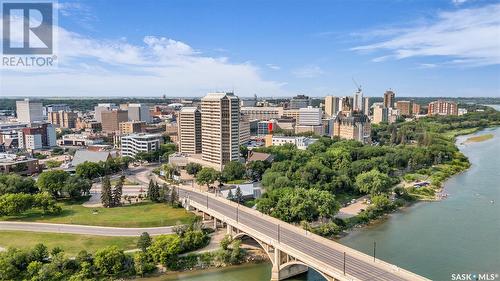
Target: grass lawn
(137,215)
(125,182)
(480,138)
(70,243)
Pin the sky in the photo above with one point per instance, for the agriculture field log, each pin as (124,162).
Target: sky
(187,48)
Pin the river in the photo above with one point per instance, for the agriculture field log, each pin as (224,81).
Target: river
(460,234)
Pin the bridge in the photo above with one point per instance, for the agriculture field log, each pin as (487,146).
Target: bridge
(292,250)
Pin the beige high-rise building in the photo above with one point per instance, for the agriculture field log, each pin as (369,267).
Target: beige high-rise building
(131,127)
(63,119)
(331,105)
(189,130)
(220,115)
(389,97)
(415,109)
(380,113)
(441,107)
(28,111)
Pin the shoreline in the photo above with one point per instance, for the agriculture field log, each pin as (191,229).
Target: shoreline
(439,196)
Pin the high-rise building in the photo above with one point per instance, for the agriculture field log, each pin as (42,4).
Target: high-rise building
(357,101)
(220,116)
(389,98)
(28,111)
(138,112)
(103,107)
(56,107)
(63,119)
(380,113)
(299,101)
(244,130)
(441,107)
(404,107)
(346,105)
(37,136)
(331,105)
(111,120)
(135,143)
(189,130)
(366,105)
(415,109)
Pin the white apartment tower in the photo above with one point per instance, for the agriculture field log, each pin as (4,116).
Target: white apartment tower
(189,130)
(28,111)
(135,143)
(220,115)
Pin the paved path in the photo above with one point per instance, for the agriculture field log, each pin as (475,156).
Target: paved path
(83,229)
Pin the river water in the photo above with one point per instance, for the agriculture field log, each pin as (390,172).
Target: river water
(460,234)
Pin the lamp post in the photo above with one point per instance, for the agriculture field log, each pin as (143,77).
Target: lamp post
(207,201)
(374,249)
(278,233)
(237,213)
(344,263)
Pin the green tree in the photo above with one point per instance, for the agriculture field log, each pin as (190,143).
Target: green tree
(244,151)
(230,195)
(106,193)
(76,186)
(89,170)
(117,192)
(144,241)
(52,182)
(52,164)
(256,169)
(165,193)
(233,170)
(153,191)
(174,197)
(207,176)
(193,168)
(165,249)
(143,263)
(111,261)
(373,182)
(238,195)
(14,183)
(39,253)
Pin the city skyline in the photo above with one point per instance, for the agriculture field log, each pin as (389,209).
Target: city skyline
(289,49)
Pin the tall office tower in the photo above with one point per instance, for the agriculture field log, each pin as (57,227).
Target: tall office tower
(138,112)
(299,101)
(389,97)
(441,107)
(331,105)
(244,130)
(357,101)
(404,107)
(366,105)
(28,111)
(63,119)
(189,130)
(380,113)
(111,120)
(103,107)
(220,115)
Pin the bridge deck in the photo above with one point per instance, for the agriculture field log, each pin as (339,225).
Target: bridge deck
(317,252)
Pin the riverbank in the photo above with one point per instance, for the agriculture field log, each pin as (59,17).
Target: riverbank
(458,234)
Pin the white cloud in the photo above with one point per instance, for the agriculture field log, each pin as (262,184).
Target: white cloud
(467,37)
(88,66)
(308,71)
(273,66)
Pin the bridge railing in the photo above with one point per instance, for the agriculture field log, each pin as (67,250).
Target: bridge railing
(339,247)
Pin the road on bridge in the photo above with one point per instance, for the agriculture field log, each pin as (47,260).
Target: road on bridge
(331,253)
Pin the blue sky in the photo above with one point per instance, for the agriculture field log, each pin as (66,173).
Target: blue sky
(270,48)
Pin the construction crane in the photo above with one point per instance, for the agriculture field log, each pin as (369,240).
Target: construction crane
(357,85)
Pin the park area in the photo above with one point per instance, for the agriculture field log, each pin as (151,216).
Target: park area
(144,214)
(70,243)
